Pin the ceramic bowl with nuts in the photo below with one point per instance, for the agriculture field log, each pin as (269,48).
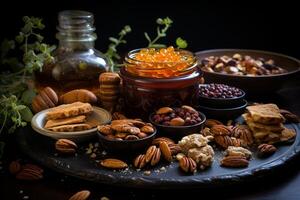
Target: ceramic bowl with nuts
(254,71)
(126,135)
(177,122)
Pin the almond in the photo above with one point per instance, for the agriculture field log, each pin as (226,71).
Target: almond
(113,163)
(142,135)
(187,164)
(189,108)
(165,150)
(65,146)
(14,167)
(147,129)
(234,161)
(177,121)
(140,161)
(82,195)
(164,110)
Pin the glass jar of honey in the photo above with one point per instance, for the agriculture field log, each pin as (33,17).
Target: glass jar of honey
(151,83)
(77,63)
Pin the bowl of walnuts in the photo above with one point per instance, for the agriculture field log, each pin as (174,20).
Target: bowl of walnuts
(177,122)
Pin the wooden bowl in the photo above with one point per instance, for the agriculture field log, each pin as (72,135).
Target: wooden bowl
(253,84)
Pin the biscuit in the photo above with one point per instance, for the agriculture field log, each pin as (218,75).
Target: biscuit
(265,114)
(259,127)
(71,128)
(71,120)
(69,110)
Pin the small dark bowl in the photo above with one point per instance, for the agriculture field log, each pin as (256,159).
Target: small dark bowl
(253,84)
(177,132)
(223,113)
(125,146)
(222,103)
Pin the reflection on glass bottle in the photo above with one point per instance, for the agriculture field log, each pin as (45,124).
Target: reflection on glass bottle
(77,63)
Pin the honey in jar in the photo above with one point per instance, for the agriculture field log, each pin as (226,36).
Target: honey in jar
(77,63)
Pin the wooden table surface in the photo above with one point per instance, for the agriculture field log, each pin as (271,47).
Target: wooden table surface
(284,184)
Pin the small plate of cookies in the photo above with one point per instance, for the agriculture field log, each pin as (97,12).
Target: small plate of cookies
(76,121)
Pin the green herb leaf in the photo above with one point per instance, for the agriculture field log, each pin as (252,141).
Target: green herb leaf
(147,36)
(181,43)
(28,96)
(114,40)
(26,114)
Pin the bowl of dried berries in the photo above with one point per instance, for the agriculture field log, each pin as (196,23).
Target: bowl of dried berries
(220,95)
(126,135)
(177,122)
(253,71)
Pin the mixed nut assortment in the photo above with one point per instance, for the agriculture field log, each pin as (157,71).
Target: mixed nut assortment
(214,90)
(193,152)
(241,65)
(183,116)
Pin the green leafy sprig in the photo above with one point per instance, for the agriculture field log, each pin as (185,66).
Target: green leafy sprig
(161,31)
(111,52)
(15,93)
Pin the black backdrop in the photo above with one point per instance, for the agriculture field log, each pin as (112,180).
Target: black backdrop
(272,26)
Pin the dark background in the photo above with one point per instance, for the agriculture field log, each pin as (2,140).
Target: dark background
(264,25)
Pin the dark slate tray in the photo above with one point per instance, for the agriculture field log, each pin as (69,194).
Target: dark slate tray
(41,149)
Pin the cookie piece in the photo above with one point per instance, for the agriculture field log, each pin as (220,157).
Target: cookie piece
(71,128)
(259,127)
(265,114)
(71,120)
(69,110)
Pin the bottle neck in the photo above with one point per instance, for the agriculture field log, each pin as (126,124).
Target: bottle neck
(76,41)
(76,30)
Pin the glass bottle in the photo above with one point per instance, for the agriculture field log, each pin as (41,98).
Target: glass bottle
(77,63)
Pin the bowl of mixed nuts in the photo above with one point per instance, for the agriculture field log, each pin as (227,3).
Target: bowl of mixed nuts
(126,135)
(177,122)
(253,71)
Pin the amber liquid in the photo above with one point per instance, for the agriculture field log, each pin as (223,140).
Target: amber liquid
(69,80)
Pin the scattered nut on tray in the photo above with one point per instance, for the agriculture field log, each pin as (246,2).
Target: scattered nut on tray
(241,65)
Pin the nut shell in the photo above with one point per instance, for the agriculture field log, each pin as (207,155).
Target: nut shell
(65,146)
(234,162)
(47,98)
(82,195)
(82,95)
